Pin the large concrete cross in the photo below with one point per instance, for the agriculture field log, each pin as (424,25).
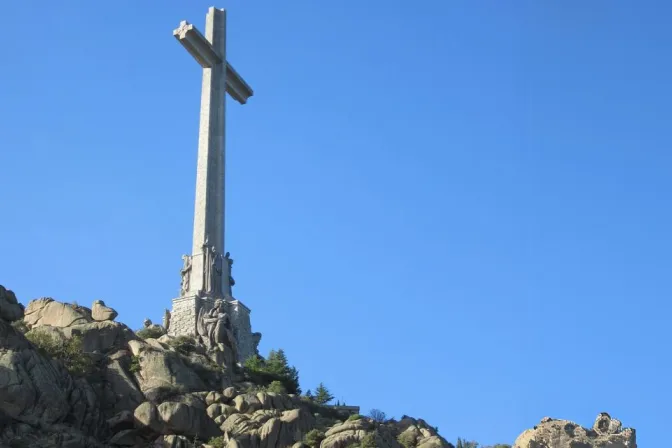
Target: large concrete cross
(207,272)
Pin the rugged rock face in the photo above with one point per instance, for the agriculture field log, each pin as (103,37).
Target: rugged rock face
(10,308)
(72,377)
(606,432)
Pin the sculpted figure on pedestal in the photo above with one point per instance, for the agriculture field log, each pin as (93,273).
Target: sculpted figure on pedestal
(214,327)
(185,273)
(166,319)
(229,265)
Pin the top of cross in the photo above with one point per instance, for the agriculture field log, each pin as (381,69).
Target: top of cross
(183,29)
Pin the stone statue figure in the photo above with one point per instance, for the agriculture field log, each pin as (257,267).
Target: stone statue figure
(216,271)
(214,327)
(166,319)
(185,272)
(229,265)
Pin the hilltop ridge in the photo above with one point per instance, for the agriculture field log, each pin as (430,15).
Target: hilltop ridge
(71,376)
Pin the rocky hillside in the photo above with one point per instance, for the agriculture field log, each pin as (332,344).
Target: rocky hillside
(70,376)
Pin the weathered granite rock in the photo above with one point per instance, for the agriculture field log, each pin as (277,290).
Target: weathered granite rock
(47,311)
(162,370)
(346,433)
(34,389)
(268,428)
(606,432)
(122,386)
(146,415)
(230,392)
(172,441)
(41,393)
(10,308)
(422,434)
(101,312)
(97,337)
(58,435)
(122,420)
(183,419)
(126,437)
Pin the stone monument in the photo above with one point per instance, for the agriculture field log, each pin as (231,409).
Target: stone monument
(206,287)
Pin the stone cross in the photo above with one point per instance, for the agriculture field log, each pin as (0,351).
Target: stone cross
(219,77)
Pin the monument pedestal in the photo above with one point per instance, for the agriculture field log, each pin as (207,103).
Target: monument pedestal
(185,314)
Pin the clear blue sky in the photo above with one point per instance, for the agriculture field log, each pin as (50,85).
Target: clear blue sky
(455,210)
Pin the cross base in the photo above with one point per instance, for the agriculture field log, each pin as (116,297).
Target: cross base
(185,313)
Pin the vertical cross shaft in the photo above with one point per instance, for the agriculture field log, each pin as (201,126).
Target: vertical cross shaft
(209,202)
(206,273)
(205,266)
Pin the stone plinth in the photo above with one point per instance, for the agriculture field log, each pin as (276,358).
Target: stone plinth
(185,313)
(240,319)
(183,316)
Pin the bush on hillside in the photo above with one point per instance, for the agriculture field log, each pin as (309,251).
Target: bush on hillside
(183,344)
(70,352)
(377,415)
(463,443)
(407,439)
(20,326)
(134,367)
(354,417)
(276,387)
(217,442)
(153,332)
(314,438)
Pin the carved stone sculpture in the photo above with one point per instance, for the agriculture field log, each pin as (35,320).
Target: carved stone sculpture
(166,319)
(185,272)
(229,265)
(214,327)
(216,271)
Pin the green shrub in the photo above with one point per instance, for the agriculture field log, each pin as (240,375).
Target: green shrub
(183,344)
(377,415)
(154,332)
(135,364)
(368,441)
(70,352)
(354,417)
(314,438)
(407,439)
(20,326)
(217,442)
(463,443)
(277,387)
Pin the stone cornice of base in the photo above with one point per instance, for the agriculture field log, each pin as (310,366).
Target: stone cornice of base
(184,298)
(237,302)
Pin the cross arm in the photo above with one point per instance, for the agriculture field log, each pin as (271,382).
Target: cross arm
(201,49)
(197,45)
(236,86)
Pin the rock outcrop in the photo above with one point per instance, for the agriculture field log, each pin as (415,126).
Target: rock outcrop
(10,309)
(550,433)
(71,376)
(101,312)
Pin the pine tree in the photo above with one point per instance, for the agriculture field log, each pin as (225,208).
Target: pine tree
(309,395)
(277,363)
(322,394)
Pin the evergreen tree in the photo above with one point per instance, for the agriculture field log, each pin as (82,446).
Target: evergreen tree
(277,363)
(309,395)
(466,444)
(322,394)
